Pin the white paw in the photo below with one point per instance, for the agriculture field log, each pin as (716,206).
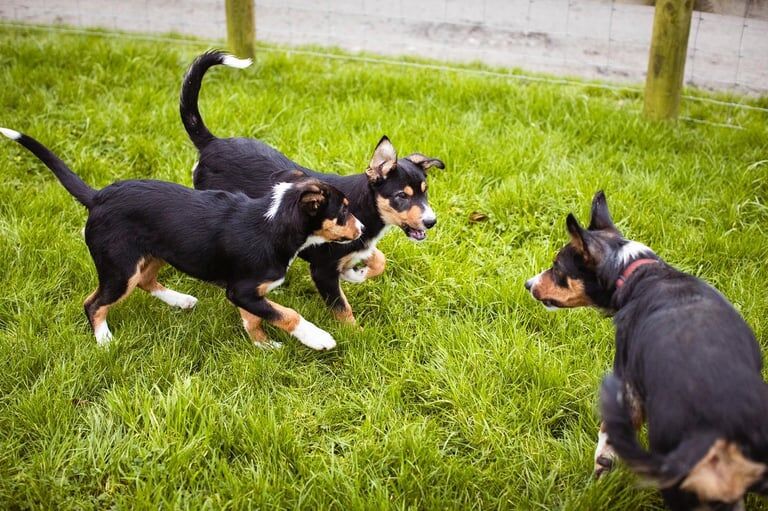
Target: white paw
(175,299)
(312,336)
(605,456)
(103,335)
(354,276)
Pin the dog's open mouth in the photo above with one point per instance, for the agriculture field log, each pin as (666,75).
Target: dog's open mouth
(415,234)
(551,304)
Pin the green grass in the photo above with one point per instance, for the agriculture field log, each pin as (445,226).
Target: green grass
(461,392)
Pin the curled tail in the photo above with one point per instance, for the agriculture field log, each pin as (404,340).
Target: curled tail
(190,90)
(71,181)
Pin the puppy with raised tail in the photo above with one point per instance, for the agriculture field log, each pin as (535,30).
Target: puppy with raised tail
(241,244)
(392,192)
(686,362)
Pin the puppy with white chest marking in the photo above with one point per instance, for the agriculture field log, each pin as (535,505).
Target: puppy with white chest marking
(685,361)
(391,192)
(244,245)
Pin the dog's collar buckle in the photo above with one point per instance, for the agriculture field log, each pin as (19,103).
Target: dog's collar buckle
(629,270)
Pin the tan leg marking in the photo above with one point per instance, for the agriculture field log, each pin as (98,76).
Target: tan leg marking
(149,268)
(306,332)
(289,318)
(263,288)
(344,315)
(98,318)
(376,263)
(252,324)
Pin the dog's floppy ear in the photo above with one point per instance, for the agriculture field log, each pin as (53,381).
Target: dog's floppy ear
(578,235)
(384,160)
(723,474)
(312,198)
(601,217)
(425,162)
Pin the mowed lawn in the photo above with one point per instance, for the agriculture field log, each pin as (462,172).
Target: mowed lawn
(459,392)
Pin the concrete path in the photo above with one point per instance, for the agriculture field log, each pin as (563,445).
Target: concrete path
(585,38)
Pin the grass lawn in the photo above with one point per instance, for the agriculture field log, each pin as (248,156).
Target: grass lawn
(460,392)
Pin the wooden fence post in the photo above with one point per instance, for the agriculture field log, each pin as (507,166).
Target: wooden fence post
(241,30)
(666,62)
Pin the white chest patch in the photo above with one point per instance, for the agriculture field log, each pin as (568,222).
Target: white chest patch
(362,255)
(633,249)
(311,240)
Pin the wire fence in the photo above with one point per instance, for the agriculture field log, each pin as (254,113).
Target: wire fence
(606,39)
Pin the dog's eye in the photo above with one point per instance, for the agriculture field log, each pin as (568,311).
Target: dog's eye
(400,195)
(560,278)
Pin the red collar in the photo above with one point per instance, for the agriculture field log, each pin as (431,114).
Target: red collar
(629,270)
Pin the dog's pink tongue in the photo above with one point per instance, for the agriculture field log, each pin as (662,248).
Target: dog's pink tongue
(417,235)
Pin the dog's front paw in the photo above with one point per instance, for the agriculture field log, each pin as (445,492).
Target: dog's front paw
(603,465)
(103,335)
(186,301)
(312,336)
(356,276)
(175,299)
(605,456)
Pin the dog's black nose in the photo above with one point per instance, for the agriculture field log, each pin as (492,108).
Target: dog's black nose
(528,284)
(430,223)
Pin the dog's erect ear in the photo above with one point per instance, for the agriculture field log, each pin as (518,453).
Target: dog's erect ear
(723,474)
(312,198)
(425,162)
(601,217)
(383,161)
(578,235)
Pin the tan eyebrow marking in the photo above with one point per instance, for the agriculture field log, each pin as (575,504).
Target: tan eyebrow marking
(408,191)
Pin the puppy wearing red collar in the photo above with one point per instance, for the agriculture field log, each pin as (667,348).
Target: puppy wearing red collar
(685,361)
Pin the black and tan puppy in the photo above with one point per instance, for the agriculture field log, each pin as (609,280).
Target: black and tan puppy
(391,192)
(244,245)
(685,360)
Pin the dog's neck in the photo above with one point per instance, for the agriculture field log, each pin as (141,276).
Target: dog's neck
(632,275)
(629,270)
(362,203)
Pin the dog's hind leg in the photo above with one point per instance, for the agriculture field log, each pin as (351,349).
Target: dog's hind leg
(327,282)
(252,325)
(305,331)
(244,295)
(148,282)
(605,456)
(115,283)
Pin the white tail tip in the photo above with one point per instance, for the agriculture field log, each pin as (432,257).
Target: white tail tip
(231,61)
(13,135)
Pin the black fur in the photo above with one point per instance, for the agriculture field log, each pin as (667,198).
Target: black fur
(252,167)
(193,121)
(216,236)
(71,181)
(687,355)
